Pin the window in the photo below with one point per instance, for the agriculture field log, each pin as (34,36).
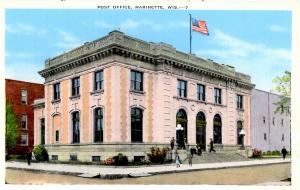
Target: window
(57,135)
(218,98)
(239,101)
(73,157)
(42,130)
(54,157)
(24,140)
(282,122)
(181,88)
(264,119)
(138,158)
(98,80)
(98,125)
(136,125)
(56,91)
(136,82)
(75,86)
(24,121)
(282,137)
(201,92)
(24,96)
(265,136)
(76,127)
(96,158)
(273,121)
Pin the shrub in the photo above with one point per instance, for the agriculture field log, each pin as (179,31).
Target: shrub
(256,153)
(120,160)
(40,153)
(109,161)
(158,155)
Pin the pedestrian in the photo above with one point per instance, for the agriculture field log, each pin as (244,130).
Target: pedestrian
(177,161)
(283,152)
(211,145)
(190,159)
(172,142)
(29,157)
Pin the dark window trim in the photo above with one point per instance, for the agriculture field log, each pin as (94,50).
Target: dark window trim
(199,92)
(101,81)
(182,92)
(75,90)
(56,94)
(134,82)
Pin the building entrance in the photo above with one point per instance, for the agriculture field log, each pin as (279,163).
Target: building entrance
(181,129)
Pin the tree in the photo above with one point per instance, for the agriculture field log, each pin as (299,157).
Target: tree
(12,129)
(283,87)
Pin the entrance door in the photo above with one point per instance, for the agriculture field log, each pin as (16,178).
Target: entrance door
(181,119)
(239,128)
(217,129)
(201,130)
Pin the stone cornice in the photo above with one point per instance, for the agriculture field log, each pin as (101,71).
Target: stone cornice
(116,43)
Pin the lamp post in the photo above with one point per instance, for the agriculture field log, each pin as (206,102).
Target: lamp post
(242,134)
(179,128)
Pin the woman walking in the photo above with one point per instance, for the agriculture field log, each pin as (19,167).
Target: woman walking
(177,161)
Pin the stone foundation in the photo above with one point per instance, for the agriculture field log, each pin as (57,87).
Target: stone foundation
(85,152)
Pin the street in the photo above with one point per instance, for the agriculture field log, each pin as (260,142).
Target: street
(233,176)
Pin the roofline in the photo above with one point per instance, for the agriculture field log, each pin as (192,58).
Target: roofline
(267,92)
(6,79)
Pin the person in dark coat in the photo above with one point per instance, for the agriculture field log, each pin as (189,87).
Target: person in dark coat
(283,152)
(211,143)
(29,157)
(172,142)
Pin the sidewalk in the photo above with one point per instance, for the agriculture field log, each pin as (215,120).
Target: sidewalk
(118,172)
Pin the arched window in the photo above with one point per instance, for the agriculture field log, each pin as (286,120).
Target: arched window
(98,125)
(136,125)
(239,128)
(76,127)
(217,129)
(181,134)
(201,130)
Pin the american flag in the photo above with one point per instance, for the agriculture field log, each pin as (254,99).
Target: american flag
(199,26)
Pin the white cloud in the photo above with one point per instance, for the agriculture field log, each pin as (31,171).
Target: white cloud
(21,28)
(277,28)
(179,24)
(261,62)
(20,54)
(129,24)
(152,25)
(68,40)
(20,71)
(103,24)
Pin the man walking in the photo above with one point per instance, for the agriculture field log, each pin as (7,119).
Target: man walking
(190,156)
(172,142)
(283,152)
(29,156)
(211,145)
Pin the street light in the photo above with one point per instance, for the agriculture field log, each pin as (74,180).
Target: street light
(242,134)
(179,128)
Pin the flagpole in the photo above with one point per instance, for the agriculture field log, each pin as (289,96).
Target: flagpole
(190,34)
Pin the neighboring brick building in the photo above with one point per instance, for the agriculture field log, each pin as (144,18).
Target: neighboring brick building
(21,95)
(122,94)
(269,130)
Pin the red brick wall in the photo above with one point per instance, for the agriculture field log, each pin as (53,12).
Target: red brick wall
(13,96)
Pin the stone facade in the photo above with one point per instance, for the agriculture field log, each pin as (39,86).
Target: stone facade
(269,130)
(161,66)
(32,91)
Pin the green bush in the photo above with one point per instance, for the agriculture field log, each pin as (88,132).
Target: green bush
(158,155)
(121,160)
(40,153)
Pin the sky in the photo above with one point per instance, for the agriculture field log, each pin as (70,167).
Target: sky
(257,43)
